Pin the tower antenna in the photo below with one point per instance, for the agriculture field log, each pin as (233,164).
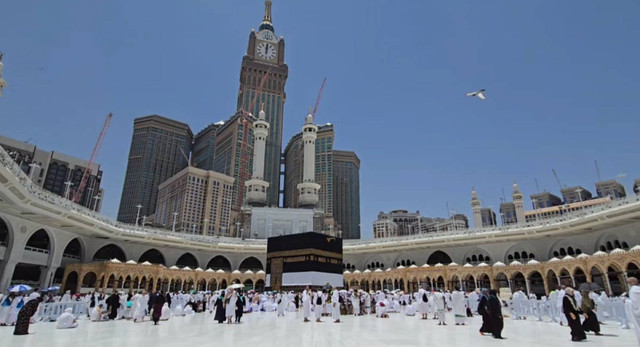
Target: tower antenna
(537,186)
(504,197)
(598,171)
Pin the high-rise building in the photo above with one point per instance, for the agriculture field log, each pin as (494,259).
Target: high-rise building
(204,145)
(403,220)
(575,194)
(234,156)
(508,213)
(56,172)
(293,168)
(611,188)
(346,193)
(545,199)
(384,227)
(265,54)
(488,217)
(159,150)
(197,201)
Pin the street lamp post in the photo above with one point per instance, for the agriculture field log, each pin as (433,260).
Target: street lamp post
(33,167)
(173,228)
(491,216)
(95,204)
(204,226)
(139,206)
(68,185)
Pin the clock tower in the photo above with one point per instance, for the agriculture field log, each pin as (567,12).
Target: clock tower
(265,54)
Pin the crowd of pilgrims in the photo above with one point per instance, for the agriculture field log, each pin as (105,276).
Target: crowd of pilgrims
(582,312)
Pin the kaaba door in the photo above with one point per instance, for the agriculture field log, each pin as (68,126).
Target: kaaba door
(276,273)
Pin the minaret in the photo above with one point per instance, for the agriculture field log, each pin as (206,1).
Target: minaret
(476,206)
(308,189)
(257,186)
(518,203)
(3,83)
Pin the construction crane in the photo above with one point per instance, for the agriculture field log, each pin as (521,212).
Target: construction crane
(557,179)
(246,119)
(315,109)
(94,154)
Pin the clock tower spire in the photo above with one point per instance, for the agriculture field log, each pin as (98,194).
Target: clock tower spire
(265,55)
(267,11)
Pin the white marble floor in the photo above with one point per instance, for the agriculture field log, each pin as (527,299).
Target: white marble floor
(265,329)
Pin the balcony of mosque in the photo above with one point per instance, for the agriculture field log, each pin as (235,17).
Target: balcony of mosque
(35,255)
(42,206)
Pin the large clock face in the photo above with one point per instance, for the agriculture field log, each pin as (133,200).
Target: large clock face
(266,50)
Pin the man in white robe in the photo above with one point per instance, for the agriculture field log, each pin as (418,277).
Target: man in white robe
(459,309)
(355,303)
(66,297)
(519,300)
(447,300)
(306,304)
(561,293)
(553,305)
(318,309)
(410,309)
(335,306)
(188,309)
(367,303)
(178,311)
(439,303)
(138,307)
(281,301)
(473,301)
(166,312)
(66,320)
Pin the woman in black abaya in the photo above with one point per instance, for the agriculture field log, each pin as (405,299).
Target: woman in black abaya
(572,312)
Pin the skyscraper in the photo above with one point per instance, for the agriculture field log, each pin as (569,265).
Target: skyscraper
(234,156)
(346,193)
(204,145)
(159,150)
(195,201)
(265,54)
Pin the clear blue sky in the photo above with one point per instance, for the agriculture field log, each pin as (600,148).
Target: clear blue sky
(559,77)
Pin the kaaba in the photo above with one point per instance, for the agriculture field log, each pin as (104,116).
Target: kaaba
(305,259)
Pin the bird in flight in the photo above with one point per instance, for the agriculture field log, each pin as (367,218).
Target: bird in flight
(479,94)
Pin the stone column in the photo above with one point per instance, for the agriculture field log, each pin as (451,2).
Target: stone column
(607,284)
(46,276)
(526,282)
(545,282)
(79,282)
